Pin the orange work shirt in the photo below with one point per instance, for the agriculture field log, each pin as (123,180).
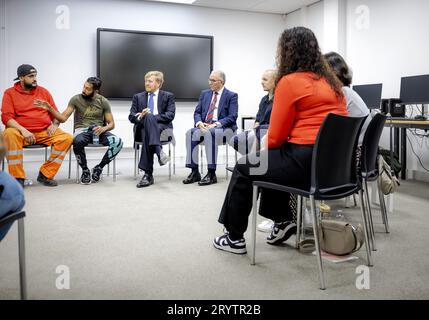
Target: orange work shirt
(19,105)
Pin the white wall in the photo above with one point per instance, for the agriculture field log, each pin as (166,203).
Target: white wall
(244,46)
(382,40)
(311,17)
(394,42)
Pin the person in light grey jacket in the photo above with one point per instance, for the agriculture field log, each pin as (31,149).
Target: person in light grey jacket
(355,105)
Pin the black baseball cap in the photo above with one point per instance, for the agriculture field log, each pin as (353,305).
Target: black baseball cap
(23,70)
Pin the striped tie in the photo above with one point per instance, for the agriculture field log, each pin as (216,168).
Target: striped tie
(209,117)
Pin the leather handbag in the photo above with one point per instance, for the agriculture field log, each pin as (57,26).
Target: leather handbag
(340,237)
(388,181)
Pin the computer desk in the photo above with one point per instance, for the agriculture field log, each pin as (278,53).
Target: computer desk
(400,149)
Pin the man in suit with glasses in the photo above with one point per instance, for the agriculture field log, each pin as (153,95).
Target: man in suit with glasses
(215,119)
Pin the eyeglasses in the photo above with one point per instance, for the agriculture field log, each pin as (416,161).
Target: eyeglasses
(212,80)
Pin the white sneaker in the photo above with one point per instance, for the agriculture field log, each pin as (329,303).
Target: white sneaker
(265,226)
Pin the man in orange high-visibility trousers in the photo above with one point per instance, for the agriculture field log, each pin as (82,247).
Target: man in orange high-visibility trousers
(28,124)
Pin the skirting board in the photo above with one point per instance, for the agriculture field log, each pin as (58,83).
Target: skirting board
(418,175)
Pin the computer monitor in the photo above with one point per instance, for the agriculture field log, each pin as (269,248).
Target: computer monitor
(415,89)
(370,94)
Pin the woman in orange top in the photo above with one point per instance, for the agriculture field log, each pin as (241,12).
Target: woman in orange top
(306,91)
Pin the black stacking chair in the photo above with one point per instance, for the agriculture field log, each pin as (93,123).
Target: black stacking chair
(369,169)
(6,220)
(333,176)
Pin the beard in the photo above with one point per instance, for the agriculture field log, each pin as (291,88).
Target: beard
(29,86)
(88,96)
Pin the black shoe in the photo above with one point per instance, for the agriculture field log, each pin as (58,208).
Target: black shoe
(21,182)
(46,181)
(96,173)
(146,181)
(85,178)
(163,158)
(193,177)
(209,179)
(281,232)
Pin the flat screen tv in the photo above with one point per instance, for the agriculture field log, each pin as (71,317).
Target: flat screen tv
(124,57)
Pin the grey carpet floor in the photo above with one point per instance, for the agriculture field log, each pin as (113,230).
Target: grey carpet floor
(120,242)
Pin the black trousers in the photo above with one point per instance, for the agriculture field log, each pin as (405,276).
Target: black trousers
(289,165)
(150,133)
(106,139)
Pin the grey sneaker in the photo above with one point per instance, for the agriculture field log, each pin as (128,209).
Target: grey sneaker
(163,158)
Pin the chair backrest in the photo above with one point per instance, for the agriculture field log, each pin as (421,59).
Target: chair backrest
(11,217)
(370,143)
(167,136)
(333,169)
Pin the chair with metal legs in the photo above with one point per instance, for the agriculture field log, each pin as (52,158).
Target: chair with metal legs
(96,146)
(225,142)
(38,146)
(6,220)
(369,170)
(70,160)
(333,176)
(29,147)
(171,142)
(227,168)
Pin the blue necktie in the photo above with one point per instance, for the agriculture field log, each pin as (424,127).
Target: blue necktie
(150,103)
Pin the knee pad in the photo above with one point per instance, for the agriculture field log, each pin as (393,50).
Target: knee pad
(115,145)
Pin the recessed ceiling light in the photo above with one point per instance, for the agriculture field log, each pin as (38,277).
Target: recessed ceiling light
(177,1)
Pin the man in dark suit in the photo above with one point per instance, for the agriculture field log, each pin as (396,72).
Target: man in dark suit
(152,112)
(215,122)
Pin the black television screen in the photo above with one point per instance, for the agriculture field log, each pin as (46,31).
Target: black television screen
(124,57)
(370,94)
(415,89)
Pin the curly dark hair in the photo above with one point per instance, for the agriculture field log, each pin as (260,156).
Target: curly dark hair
(298,51)
(340,67)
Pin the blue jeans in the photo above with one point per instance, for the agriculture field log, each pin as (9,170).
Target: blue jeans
(11,198)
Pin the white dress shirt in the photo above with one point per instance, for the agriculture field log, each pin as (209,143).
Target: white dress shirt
(215,115)
(155,103)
